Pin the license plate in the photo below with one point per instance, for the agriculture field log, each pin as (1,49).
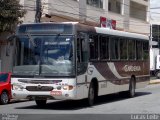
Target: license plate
(56,93)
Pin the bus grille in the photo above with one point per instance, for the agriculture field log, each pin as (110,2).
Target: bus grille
(39,88)
(40,81)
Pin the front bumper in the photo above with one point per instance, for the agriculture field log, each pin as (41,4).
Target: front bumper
(59,95)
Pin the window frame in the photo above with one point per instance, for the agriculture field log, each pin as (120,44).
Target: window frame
(93,3)
(107,40)
(119,39)
(96,51)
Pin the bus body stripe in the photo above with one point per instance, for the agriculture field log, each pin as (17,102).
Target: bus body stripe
(114,70)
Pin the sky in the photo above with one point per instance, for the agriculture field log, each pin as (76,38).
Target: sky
(155,13)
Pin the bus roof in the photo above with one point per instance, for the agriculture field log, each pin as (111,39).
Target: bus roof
(120,33)
(98,30)
(49,23)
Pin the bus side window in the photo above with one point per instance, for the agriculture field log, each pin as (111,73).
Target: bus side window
(93,44)
(145,50)
(104,47)
(123,49)
(114,48)
(139,50)
(131,49)
(78,50)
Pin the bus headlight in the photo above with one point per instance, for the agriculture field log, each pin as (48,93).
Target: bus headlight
(68,87)
(17,87)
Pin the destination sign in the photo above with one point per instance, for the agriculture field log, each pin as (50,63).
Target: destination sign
(46,28)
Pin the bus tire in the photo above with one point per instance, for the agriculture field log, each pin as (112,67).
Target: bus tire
(4,98)
(132,86)
(91,94)
(41,103)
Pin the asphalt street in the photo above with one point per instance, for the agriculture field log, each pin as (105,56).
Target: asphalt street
(115,107)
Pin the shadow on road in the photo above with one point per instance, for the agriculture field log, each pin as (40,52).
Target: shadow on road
(17,101)
(79,104)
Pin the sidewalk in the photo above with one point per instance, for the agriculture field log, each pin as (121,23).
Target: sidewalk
(16,100)
(155,81)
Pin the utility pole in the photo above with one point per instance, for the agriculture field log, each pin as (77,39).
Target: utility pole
(38,11)
(126,13)
(150,37)
(82,11)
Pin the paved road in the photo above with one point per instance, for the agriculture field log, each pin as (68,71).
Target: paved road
(147,101)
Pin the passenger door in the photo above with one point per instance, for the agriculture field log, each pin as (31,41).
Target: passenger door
(82,63)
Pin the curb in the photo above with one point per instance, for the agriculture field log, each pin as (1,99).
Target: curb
(157,81)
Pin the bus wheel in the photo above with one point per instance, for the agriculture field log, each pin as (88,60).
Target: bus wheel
(4,98)
(131,91)
(41,103)
(91,94)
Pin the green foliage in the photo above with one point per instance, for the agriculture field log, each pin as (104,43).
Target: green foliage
(10,13)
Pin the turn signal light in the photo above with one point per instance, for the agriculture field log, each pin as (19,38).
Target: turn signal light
(68,87)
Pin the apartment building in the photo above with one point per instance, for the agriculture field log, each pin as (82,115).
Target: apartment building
(130,15)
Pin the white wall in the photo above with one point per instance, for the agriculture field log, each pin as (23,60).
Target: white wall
(141,2)
(71,8)
(64,7)
(29,6)
(139,26)
(138,11)
(6,61)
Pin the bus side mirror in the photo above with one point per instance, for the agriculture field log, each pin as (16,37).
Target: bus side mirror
(11,38)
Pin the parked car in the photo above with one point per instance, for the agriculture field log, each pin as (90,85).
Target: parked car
(5,87)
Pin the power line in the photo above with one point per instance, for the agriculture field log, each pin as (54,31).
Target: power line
(95,19)
(89,17)
(98,10)
(86,8)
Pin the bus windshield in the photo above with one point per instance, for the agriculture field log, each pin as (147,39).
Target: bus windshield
(48,55)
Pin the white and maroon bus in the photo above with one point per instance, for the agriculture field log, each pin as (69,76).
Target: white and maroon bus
(71,61)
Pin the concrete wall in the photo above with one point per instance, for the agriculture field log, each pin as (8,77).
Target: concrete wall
(128,19)
(138,11)
(139,26)
(64,7)
(68,10)
(30,7)
(6,61)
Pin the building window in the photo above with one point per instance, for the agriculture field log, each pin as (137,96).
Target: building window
(95,3)
(114,6)
(138,11)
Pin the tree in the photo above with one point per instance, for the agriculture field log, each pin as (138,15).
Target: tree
(11,12)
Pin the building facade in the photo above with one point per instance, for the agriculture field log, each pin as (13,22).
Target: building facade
(130,15)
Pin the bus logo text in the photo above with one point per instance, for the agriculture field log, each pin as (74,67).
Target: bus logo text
(130,68)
